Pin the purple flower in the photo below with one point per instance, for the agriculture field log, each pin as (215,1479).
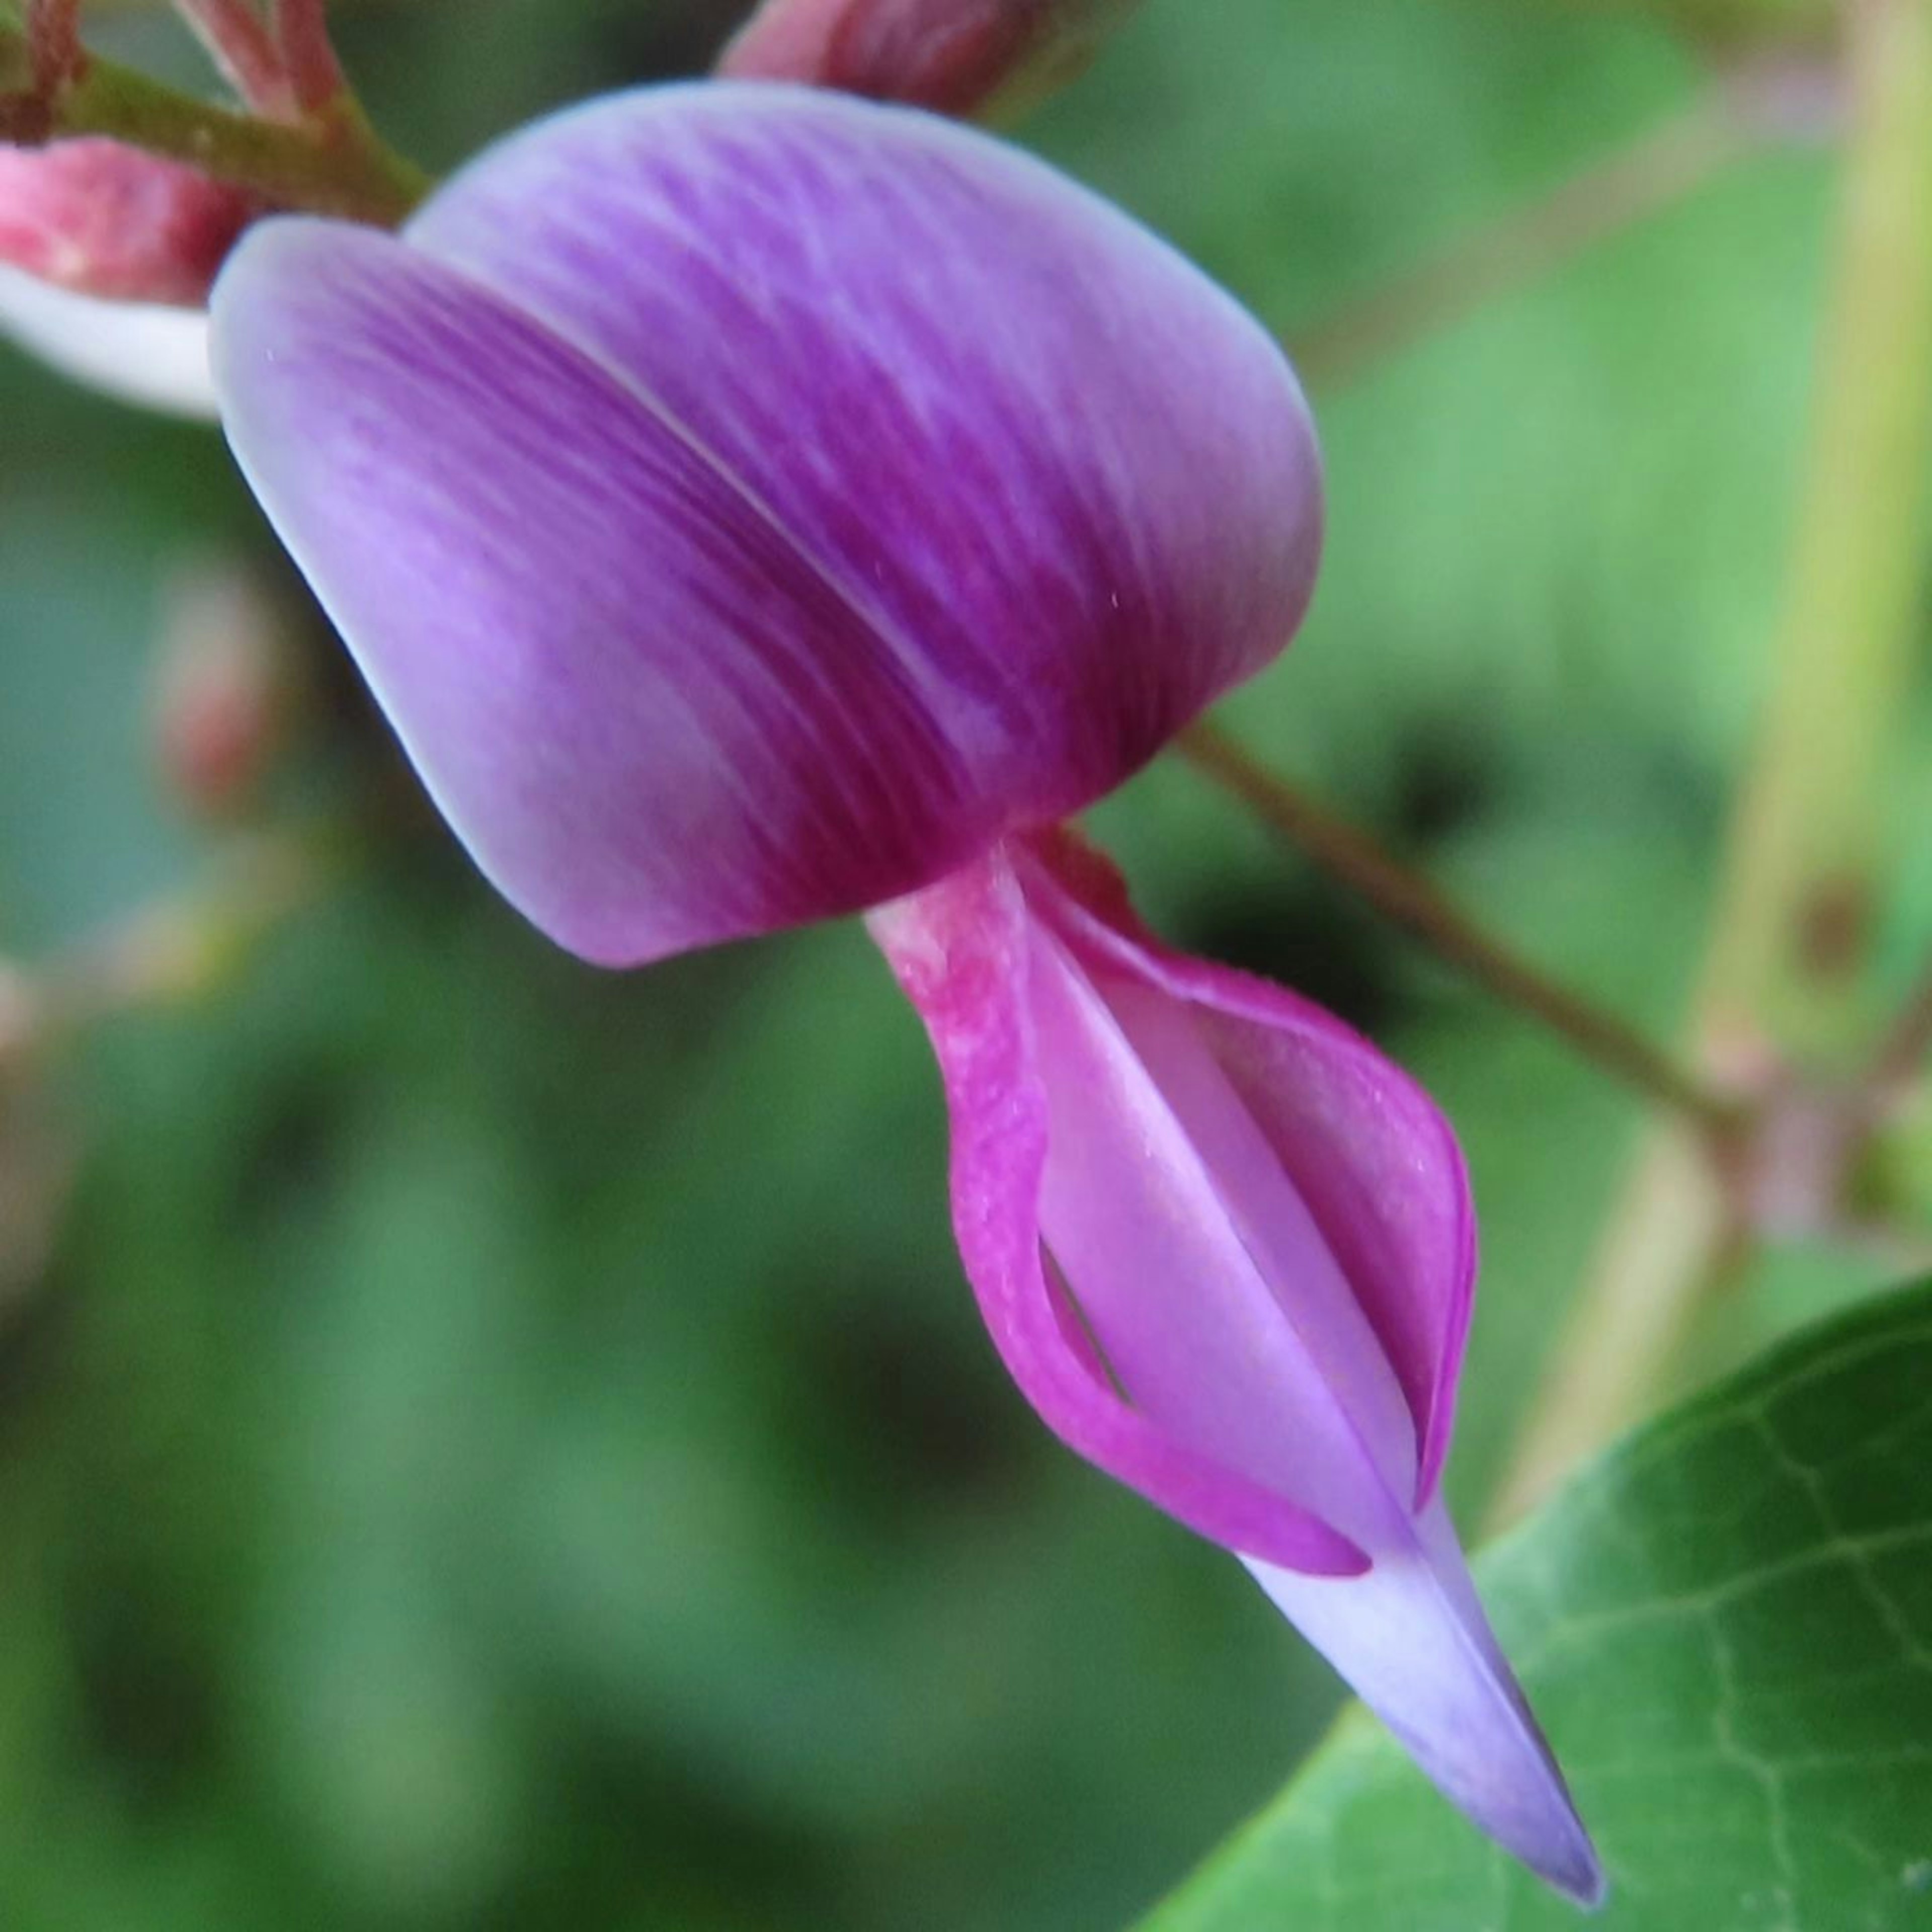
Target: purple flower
(750,506)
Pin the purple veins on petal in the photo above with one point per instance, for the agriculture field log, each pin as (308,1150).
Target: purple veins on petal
(629,694)
(749,504)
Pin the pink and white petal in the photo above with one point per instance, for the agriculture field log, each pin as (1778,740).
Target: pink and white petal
(653,719)
(1073,481)
(1411,1640)
(961,952)
(1367,1149)
(142,353)
(104,219)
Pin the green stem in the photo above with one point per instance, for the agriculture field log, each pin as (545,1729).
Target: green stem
(1805,854)
(1808,844)
(1407,900)
(331,164)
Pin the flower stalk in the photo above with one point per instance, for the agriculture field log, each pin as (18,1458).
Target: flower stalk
(244,53)
(1348,855)
(314,73)
(329,164)
(53,42)
(1732,120)
(1907,1045)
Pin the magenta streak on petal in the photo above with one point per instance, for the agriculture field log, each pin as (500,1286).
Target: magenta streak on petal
(1396,1214)
(1014,427)
(748,504)
(959,951)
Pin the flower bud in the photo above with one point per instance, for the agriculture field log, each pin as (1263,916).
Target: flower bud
(954,56)
(224,690)
(103,219)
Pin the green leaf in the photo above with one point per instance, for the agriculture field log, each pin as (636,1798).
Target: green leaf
(1726,1628)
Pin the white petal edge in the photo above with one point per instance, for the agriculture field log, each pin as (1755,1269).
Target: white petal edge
(139,353)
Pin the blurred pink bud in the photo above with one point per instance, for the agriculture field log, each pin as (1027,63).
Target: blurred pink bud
(107,219)
(224,690)
(951,56)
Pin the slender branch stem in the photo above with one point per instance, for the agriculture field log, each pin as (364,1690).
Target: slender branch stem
(1662,167)
(1662,1249)
(301,27)
(171,951)
(53,42)
(1804,854)
(1907,1044)
(333,166)
(244,53)
(1423,909)
(1807,846)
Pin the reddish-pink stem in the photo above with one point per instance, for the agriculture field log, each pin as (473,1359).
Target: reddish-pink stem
(53,43)
(238,42)
(308,56)
(1906,1046)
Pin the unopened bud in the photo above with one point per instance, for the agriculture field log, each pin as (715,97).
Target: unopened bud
(103,219)
(955,56)
(226,685)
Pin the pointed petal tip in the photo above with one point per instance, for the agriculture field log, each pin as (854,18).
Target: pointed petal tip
(1518,1798)
(1573,1868)
(1584,1882)
(1412,1641)
(1552,1843)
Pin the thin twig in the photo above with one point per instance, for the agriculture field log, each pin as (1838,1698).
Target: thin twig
(1907,1046)
(53,42)
(244,53)
(1407,900)
(301,28)
(173,950)
(1662,167)
(336,165)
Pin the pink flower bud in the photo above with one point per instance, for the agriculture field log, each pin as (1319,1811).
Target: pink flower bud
(225,689)
(951,56)
(107,219)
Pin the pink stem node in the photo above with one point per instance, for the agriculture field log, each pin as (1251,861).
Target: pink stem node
(244,53)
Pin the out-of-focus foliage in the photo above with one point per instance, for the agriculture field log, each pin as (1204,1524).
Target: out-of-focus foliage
(1728,1623)
(497,1445)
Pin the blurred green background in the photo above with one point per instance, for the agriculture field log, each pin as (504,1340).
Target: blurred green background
(486,1443)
